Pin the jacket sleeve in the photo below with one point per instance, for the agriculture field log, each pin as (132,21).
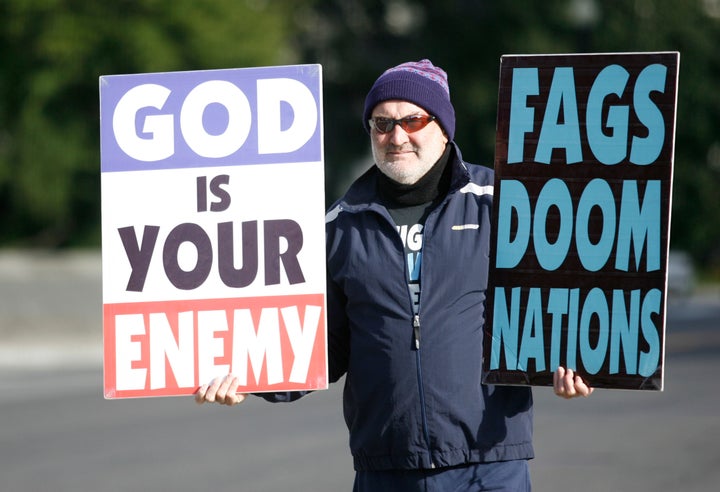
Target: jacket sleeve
(338,331)
(285,397)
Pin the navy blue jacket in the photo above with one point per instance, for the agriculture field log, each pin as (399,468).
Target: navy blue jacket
(413,396)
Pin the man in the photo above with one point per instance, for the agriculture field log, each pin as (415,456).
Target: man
(407,262)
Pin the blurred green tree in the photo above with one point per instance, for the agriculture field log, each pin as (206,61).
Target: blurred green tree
(53,52)
(356,40)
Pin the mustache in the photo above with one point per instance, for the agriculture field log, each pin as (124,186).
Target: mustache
(400,148)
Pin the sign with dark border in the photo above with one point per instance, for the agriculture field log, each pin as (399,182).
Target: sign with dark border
(581,226)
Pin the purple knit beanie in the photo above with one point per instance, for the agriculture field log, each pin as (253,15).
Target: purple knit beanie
(420,83)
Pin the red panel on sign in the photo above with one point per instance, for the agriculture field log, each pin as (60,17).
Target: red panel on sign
(171,348)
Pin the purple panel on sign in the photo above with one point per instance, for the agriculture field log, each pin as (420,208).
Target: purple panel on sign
(209,118)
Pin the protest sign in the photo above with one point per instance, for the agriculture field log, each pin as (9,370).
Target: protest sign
(213,244)
(583,186)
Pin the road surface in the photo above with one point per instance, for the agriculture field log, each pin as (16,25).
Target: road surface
(58,434)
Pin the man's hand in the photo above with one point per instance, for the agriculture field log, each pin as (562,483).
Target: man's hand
(569,385)
(221,390)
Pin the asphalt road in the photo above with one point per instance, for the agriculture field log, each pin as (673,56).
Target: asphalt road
(58,434)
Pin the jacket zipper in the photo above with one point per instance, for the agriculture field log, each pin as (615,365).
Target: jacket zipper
(416,331)
(416,336)
(421,388)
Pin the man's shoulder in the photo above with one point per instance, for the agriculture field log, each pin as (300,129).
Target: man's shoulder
(480,174)
(476,173)
(360,195)
(478,181)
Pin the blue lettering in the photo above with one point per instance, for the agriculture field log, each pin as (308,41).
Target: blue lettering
(557,307)
(524,84)
(607,123)
(638,225)
(646,149)
(595,304)
(555,135)
(572,329)
(533,345)
(597,193)
(414,261)
(602,331)
(625,326)
(649,360)
(608,149)
(513,197)
(555,193)
(505,328)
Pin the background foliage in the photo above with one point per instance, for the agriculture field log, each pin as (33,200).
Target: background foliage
(53,51)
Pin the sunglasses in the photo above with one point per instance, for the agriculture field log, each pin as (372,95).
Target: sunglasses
(409,124)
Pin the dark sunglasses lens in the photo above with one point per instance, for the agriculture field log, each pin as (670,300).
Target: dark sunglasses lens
(384,125)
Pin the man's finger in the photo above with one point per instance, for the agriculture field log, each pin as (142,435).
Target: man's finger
(200,394)
(212,390)
(582,388)
(569,384)
(222,390)
(558,378)
(229,386)
(234,399)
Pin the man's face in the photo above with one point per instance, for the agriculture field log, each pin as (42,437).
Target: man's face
(405,157)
